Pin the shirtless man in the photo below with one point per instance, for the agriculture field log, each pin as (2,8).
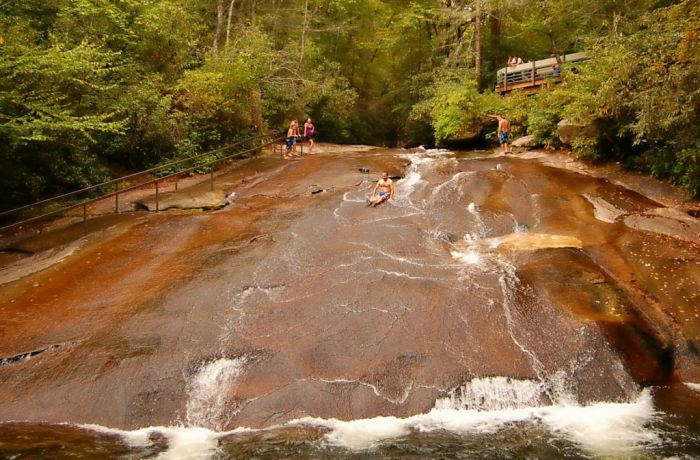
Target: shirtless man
(503,133)
(384,190)
(291,141)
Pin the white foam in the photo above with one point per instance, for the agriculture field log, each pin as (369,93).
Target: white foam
(602,429)
(417,158)
(183,443)
(190,443)
(360,434)
(693,386)
(494,393)
(407,185)
(208,391)
(438,152)
(469,258)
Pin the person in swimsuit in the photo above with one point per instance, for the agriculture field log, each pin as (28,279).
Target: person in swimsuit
(384,190)
(309,134)
(291,140)
(503,133)
(296,137)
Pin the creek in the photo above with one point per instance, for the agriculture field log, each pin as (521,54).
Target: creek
(487,311)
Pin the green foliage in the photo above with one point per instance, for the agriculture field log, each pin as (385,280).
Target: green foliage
(455,107)
(87,85)
(641,95)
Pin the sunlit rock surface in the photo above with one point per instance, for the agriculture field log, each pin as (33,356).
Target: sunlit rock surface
(297,300)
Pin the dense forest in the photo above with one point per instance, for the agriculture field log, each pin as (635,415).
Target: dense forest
(90,89)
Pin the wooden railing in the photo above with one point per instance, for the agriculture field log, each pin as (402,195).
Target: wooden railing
(59,205)
(530,75)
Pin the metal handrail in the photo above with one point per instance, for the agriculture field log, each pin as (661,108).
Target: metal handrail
(531,72)
(134,187)
(129,176)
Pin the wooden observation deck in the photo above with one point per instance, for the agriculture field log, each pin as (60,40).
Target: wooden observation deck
(529,76)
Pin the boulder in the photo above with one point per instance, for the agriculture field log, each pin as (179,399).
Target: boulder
(524,141)
(184,200)
(569,131)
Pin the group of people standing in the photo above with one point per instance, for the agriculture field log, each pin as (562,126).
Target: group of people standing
(384,189)
(514,60)
(293,135)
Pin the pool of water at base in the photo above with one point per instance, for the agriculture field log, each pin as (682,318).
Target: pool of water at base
(673,432)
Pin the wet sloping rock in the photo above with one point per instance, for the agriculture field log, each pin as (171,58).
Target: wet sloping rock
(361,312)
(667,221)
(38,262)
(184,200)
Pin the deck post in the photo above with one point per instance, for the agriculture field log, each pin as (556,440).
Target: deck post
(533,73)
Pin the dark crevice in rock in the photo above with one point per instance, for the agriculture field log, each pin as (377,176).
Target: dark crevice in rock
(15,250)
(6,361)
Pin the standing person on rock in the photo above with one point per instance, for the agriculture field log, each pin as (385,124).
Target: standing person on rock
(291,140)
(309,134)
(384,190)
(296,137)
(503,133)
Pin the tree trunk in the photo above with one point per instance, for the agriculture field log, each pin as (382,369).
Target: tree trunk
(219,24)
(228,25)
(256,110)
(554,49)
(477,45)
(304,28)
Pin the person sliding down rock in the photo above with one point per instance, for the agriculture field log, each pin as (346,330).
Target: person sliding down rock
(384,190)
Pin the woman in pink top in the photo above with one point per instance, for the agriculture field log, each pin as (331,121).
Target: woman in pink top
(309,134)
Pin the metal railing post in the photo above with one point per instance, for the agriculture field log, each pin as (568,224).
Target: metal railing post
(533,73)
(118,190)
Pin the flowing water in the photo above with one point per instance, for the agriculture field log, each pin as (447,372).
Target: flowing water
(486,312)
